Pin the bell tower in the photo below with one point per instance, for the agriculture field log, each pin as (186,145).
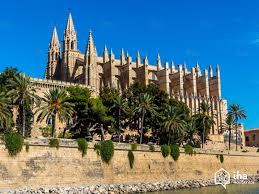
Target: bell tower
(52,71)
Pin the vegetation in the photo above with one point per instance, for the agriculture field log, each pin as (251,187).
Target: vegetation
(221,158)
(134,146)
(106,150)
(165,150)
(55,105)
(97,148)
(131,158)
(236,113)
(204,121)
(13,143)
(151,147)
(82,146)
(150,114)
(175,152)
(188,149)
(54,143)
(27,147)
(23,94)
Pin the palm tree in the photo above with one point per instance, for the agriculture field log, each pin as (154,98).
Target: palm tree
(22,91)
(228,126)
(191,130)
(173,123)
(205,119)
(55,105)
(5,112)
(145,105)
(120,104)
(237,113)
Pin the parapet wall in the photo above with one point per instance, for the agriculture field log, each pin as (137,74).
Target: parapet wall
(44,166)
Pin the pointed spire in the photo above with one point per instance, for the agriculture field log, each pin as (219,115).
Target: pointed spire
(166,65)
(184,68)
(112,57)
(70,25)
(172,67)
(90,47)
(122,57)
(217,70)
(54,39)
(70,38)
(138,60)
(197,65)
(180,68)
(127,54)
(145,61)
(211,71)
(105,54)
(158,62)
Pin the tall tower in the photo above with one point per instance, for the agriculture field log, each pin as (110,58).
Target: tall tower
(90,69)
(52,71)
(69,45)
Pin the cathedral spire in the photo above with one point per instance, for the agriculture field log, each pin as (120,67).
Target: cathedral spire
(122,57)
(70,25)
(54,39)
(70,38)
(211,71)
(172,67)
(217,71)
(138,60)
(145,61)
(158,62)
(105,54)
(90,47)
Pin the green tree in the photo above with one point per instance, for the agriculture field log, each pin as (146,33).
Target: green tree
(8,74)
(55,105)
(145,105)
(174,124)
(79,97)
(5,112)
(237,113)
(120,105)
(228,126)
(23,94)
(191,131)
(205,120)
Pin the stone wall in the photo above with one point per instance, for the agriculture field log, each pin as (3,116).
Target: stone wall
(44,166)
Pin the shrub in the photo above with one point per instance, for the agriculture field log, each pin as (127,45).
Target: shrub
(134,146)
(106,150)
(27,147)
(54,143)
(165,150)
(151,147)
(82,145)
(131,158)
(221,158)
(13,143)
(188,149)
(175,151)
(46,131)
(97,149)
(257,150)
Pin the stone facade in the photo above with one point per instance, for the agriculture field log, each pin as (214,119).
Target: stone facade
(44,167)
(189,86)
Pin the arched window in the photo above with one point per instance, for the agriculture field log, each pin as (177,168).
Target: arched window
(72,45)
(56,56)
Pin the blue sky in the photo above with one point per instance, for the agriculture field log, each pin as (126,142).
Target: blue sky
(211,32)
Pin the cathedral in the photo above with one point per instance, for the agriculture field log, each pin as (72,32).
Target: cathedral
(67,64)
